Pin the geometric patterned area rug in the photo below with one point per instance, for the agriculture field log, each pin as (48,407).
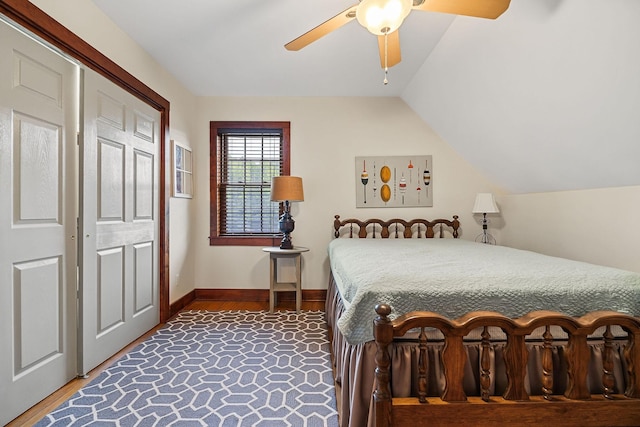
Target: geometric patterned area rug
(224,368)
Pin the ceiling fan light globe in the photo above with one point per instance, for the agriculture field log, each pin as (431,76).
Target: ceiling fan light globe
(382,16)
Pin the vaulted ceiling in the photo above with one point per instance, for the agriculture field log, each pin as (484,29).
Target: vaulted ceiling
(545,98)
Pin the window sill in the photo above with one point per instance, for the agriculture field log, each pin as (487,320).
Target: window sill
(244,241)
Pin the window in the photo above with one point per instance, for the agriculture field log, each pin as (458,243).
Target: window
(244,158)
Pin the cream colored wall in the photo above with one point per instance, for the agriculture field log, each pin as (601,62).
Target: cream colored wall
(599,226)
(84,19)
(326,136)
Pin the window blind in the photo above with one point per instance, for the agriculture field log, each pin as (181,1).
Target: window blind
(248,159)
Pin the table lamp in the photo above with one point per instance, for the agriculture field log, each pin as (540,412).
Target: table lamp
(286,189)
(485,204)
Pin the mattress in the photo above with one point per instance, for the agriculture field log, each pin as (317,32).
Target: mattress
(453,277)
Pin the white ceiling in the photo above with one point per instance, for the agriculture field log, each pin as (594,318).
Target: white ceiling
(545,98)
(236,47)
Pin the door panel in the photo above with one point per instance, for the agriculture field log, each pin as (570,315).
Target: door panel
(38,210)
(110,289)
(119,205)
(37,175)
(144,289)
(37,297)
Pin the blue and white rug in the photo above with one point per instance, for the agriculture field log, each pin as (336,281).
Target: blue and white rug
(227,368)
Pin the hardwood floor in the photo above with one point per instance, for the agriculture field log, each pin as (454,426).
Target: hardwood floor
(37,412)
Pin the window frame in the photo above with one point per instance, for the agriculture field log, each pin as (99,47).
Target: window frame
(214,234)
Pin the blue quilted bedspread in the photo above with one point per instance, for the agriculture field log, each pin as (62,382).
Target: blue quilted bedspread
(453,277)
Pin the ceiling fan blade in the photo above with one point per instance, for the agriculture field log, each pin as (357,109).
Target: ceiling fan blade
(490,9)
(323,29)
(393,49)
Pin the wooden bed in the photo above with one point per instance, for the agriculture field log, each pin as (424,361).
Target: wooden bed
(599,350)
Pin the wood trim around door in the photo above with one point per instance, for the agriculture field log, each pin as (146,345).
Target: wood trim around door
(35,20)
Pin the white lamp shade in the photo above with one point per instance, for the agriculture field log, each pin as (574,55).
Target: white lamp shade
(383,16)
(286,188)
(485,204)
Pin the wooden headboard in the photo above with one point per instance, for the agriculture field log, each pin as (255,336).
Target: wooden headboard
(395,228)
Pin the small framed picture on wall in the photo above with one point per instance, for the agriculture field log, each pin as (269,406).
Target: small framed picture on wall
(182,164)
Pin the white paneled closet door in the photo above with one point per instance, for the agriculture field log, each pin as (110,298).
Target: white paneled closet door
(38,211)
(119,292)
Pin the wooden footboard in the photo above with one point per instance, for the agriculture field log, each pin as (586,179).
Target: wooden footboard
(577,407)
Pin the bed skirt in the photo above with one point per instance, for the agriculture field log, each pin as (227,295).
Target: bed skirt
(354,367)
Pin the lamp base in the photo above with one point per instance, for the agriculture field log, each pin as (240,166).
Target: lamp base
(287,224)
(286,242)
(486,238)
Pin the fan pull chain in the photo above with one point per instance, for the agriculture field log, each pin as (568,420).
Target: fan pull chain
(386,69)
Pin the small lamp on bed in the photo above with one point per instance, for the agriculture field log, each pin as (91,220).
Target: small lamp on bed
(485,204)
(286,189)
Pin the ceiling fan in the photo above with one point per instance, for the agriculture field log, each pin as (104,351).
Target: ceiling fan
(383,18)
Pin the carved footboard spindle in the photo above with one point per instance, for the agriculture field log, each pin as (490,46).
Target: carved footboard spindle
(577,407)
(547,363)
(485,359)
(608,379)
(422,366)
